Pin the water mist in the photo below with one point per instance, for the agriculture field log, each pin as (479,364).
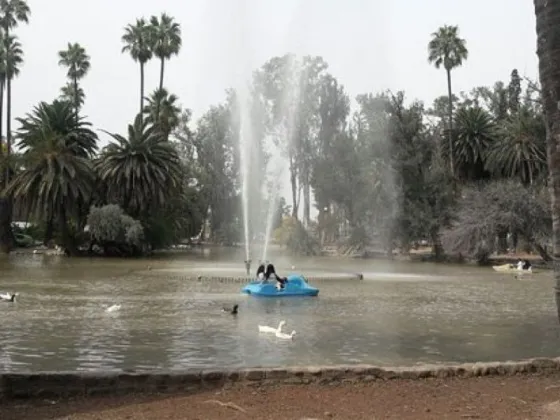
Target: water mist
(245,146)
(288,117)
(273,199)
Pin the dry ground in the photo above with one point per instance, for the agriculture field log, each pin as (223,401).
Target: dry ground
(508,398)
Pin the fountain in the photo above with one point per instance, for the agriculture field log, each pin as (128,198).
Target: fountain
(273,199)
(283,136)
(245,142)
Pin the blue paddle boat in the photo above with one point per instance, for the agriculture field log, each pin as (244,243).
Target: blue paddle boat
(295,286)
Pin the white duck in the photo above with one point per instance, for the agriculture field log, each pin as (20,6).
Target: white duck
(8,297)
(113,308)
(267,329)
(284,336)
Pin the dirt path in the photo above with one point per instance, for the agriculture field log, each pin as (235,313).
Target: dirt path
(508,398)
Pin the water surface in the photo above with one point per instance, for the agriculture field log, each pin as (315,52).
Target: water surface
(400,314)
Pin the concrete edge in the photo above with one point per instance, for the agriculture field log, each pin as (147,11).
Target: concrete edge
(244,280)
(76,384)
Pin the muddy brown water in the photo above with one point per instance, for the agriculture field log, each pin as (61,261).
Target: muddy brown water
(400,314)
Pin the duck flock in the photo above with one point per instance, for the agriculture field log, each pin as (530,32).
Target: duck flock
(234,310)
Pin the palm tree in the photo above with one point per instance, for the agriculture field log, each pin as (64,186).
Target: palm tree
(2,87)
(474,133)
(12,12)
(68,94)
(160,101)
(519,150)
(166,40)
(58,118)
(138,42)
(141,172)
(14,58)
(448,49)
(78,63)
(548,50)
(57,180)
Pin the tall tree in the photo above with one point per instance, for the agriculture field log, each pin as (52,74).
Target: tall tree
(213,144)
(14,58)
(514,92)
(334,108)
(166,40)
(448,49)
(138,43)
(289,88)
(548,50)
(76,60)
(12,12)
(2,88)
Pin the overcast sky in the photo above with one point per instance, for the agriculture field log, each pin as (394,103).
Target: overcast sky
(370,45)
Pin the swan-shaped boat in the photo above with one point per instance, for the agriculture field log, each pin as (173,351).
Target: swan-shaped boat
(295,286)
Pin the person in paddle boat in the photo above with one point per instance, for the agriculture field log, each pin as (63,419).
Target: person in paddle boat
(523,265)
(271,271)
(260,272)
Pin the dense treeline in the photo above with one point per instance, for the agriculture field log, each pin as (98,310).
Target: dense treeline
(390,173)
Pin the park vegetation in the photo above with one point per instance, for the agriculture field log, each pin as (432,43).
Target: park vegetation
(466,174)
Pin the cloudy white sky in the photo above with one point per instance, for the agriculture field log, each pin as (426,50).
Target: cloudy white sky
(370,45)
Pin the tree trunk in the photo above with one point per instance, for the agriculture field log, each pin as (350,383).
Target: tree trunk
(161,71)
(437,248)
(141,91)
(450,122)
(306,200)
(67,240)
(293,182)
(2,85)
(8,127)
(6,234)
(548,50)
(542,252)
(49,231)
(502,242)
(76,99)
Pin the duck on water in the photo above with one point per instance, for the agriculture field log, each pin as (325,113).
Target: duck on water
(233,310)
(267,329)
(8,297)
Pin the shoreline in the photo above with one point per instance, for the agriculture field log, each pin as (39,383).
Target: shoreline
(520,396)
(419,256)
(80,384)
